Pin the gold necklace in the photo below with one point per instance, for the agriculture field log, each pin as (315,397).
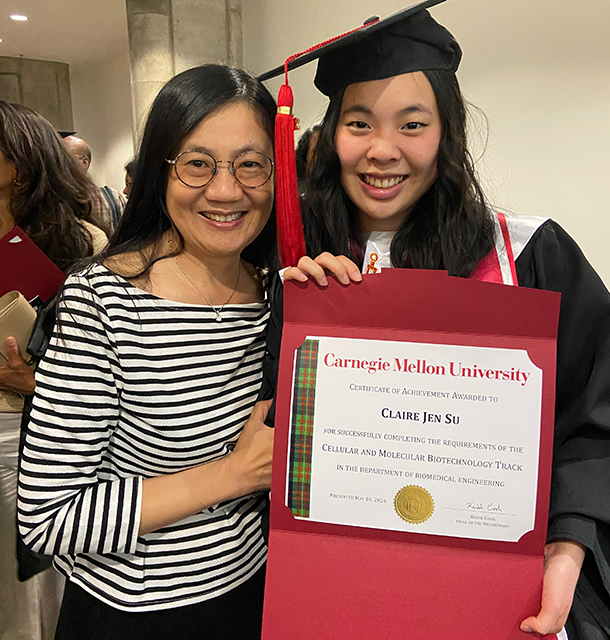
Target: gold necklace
(217,310)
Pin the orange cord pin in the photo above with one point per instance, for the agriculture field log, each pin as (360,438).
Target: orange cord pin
(370,267)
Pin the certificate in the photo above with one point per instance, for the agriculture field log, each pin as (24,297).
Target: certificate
(407,436)
(412,459)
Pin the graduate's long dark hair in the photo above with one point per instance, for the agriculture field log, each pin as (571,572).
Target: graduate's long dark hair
(180,106)
(448,228)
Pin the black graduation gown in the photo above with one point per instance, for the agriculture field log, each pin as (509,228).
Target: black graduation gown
(580,489)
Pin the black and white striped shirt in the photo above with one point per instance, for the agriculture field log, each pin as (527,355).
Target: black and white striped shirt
(136,386)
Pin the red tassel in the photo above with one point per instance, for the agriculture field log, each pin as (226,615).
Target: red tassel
(290,237)
(291,240)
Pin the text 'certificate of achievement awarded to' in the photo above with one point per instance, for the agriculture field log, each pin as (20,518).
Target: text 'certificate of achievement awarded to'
(412,458)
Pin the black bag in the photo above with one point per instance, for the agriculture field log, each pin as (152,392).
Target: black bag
(29,563)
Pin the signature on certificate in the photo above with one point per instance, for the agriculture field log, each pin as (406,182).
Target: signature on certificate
(479,506)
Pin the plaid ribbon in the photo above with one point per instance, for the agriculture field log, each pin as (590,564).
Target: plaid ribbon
(301,433)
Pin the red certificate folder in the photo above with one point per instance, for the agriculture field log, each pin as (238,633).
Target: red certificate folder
(327,581)
(25,268)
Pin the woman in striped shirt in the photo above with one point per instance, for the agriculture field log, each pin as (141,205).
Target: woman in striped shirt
(142,472)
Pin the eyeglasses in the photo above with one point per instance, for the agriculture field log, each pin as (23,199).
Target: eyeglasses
(196,169)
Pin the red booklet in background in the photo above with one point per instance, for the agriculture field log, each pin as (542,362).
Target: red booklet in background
(25,268)
(412,459)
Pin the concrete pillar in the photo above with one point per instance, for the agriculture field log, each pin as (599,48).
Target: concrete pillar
(235,42)
(38,84)
(169,36)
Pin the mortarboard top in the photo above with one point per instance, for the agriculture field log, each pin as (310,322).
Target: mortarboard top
(65,134)
(407,41)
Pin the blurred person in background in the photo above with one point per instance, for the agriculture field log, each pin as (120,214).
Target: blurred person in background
(130,170)
(304,154)
(44,193)
(110,204)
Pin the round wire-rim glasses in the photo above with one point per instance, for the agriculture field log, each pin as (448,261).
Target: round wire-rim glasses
(196,169)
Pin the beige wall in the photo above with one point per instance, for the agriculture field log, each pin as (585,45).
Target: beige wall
(101,103)
(540,71)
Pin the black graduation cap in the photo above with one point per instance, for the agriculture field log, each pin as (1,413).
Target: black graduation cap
(410,40)
(407,41)
(65,134)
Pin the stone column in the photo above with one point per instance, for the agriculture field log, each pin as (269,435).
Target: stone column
(235,45)
(41,85)
(169,36)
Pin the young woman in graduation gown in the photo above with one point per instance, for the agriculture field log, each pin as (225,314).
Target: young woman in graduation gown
(391,174)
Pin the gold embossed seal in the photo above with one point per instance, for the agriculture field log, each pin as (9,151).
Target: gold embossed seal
(414,504)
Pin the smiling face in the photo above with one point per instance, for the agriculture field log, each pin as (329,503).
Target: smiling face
(222,218)
(387,141)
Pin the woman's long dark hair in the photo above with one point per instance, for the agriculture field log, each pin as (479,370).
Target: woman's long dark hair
(51,192)
(179,107)
(448,228)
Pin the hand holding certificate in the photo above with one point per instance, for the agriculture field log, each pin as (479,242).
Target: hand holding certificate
(412,461)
